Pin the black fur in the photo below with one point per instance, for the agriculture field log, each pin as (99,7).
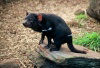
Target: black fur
(53,27)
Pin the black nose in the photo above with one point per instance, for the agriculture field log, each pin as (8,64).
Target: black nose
(24,24)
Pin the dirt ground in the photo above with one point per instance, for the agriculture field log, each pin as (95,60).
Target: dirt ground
(18,42)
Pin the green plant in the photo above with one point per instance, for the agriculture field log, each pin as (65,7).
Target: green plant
(91,40)
(81,17)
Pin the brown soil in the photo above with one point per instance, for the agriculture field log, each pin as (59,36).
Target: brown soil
(18,42)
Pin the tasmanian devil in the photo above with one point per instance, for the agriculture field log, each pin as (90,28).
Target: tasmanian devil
(53,27)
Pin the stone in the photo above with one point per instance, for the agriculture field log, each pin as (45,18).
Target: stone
(10,63)
(79,11)
(94,9)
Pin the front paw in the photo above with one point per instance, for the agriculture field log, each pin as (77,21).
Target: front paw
(40,42)
(47,47)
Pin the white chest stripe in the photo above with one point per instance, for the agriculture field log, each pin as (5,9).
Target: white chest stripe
(70,35)
(50,28)
(44,30)
(47,29)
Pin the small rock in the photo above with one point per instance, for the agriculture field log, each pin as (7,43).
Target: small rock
(73,24)
(10,63)
(79,11)
(13,32)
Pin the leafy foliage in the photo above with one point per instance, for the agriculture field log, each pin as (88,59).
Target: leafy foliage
(91,40)
(81,16)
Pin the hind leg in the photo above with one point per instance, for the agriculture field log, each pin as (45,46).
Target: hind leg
(57,45)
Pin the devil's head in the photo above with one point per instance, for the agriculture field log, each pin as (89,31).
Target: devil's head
(33,20)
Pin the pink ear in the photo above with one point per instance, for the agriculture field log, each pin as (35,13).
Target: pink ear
(40,17)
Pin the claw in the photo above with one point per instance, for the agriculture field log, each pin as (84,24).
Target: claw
(47,47)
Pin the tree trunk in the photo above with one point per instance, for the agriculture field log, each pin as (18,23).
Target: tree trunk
(73,63)
(94,9)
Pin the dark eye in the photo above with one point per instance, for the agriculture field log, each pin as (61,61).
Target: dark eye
(35,19)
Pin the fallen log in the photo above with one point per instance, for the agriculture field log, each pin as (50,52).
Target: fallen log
(65,53)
